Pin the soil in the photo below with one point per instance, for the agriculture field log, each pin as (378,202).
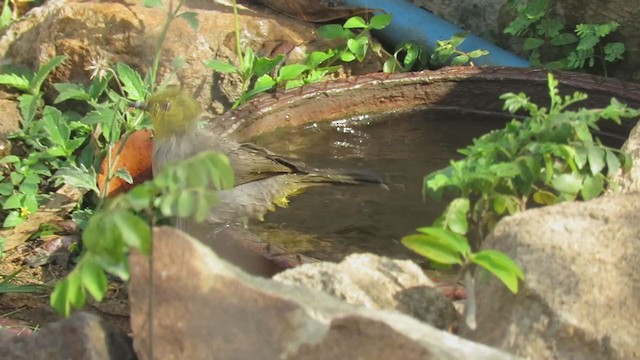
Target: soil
(29,311)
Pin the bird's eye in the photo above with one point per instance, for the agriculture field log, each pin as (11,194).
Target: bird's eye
(166,106)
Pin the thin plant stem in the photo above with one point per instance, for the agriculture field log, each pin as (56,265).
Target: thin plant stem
(153,71)
(236,24)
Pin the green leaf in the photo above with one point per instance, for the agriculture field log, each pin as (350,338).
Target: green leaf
(264,65)
(186,204)
(532,43)
(477,53)
(192,19)
(43,72)
(123,174)
(13,202)
(99,85)
(221,66)
(93,278)
(347,56)
(456,215)
(13,219)
(358,47)
(135,232)
(580,157)
(79,177)
(613,163)
(152,3)
(139,197)
(10,159)
(69,91)
(6,189)
(264,83)
(563,39)
(333,31)
(431,249)
(55,126)
(592,187)
(58,300)
(355,22)
(453,241)
(318,57)
(291,72)
(596,159)
(380,21)
(544,198)
(132,83)
(17,81)
(501,266)
(460,60)
(28,105)
(567,183)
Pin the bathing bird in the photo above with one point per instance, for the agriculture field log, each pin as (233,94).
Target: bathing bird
(264,179)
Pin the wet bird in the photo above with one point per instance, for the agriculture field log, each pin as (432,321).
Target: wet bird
(264,179)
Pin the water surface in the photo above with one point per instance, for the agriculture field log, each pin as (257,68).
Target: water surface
(330,222)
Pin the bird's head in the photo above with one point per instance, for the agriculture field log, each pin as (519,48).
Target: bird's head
(173,111)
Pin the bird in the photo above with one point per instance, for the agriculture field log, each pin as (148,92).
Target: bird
(264,179)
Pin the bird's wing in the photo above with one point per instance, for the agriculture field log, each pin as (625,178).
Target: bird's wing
(249,162)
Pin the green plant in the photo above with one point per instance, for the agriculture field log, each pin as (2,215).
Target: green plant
(184,190)
(406,57)
(357,42)
(259,71)
(550,46)
(549,157)
(446,51)
(47,144)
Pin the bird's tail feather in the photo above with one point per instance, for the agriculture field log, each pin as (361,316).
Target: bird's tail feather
(345,177)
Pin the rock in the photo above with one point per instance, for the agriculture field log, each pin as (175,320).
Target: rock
(203,307)
(108,32)
(81,336)
(377,283)
(630,181)
(10,121)
(478,16)
(580,295)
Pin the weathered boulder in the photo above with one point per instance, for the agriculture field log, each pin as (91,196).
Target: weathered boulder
(204,307)
(10,121)
(580,297)
(377,282)
(81,336)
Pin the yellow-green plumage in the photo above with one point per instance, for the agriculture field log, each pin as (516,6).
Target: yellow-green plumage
(263,179)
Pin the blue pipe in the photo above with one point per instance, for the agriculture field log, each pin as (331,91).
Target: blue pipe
(413,23)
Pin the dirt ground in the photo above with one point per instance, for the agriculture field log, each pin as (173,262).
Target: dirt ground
(25,312)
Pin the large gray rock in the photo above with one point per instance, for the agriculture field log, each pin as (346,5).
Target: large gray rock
(581,295)
(377,282)
(81,336)
(203,307)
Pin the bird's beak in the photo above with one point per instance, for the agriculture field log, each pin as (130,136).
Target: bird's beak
(141,105)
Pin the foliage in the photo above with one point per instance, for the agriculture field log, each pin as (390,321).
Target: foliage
(56,146)
(407,57)
(185,189)
(544,37)
(447,52)
(549,157)
(267,73)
